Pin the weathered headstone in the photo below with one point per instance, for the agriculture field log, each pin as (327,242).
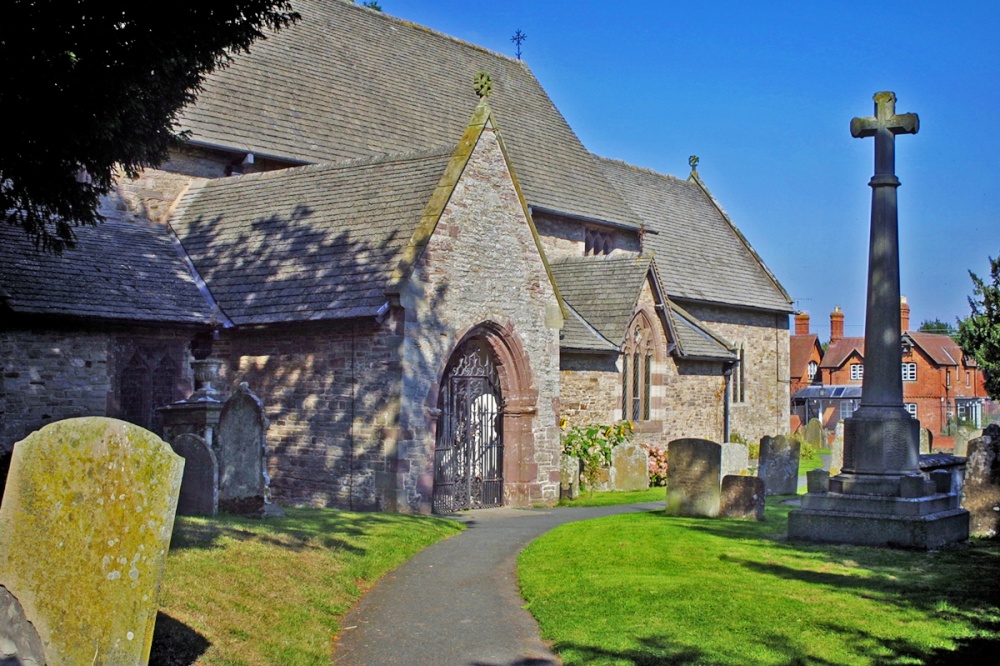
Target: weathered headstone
(814,435)
(629,467)
(926,440)
(981,491)
(84,533)
(569,477)
(779,465)
(735,459)
(200,487)
(962,437)
(693,482)
(241,452)
(837,449)
(742,497)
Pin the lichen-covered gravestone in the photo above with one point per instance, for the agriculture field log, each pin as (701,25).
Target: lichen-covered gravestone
(981,491)
(814,435)
(926,440)
(837,450)
(84,532)
(779,465)
(200,487)
(569,477)
(629,467)
(241,452)
(693,478)
(735,459)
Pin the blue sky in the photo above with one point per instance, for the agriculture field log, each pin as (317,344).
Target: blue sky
(763,93)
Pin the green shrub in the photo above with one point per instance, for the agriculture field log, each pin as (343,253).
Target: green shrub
(592,444)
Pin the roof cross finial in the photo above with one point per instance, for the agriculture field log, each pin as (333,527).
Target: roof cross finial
(483,85)
(693,161)
(518,38)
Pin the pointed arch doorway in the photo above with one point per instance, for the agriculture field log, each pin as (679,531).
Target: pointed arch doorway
(469,448)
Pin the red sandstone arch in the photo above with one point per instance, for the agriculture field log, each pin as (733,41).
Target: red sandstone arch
(520,398)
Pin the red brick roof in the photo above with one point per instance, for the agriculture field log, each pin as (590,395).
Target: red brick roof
(801,347)
(839,351)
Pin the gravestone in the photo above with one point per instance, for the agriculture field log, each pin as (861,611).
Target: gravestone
(84,533)
(742,497)
(779,465)
(629,467)
(837,449)
(200,487)
(962,437)
(981,491)
(880,497)
(693,482)
(735,459)
(569,477)
(241,453)
(926,440)
(814,436)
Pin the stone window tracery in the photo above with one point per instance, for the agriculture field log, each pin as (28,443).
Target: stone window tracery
(597,242)
(637,370)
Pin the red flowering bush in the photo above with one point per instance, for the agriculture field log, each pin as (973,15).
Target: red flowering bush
(657,465)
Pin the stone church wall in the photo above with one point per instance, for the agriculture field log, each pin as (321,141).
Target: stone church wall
(53,374)
(765,339)
(565,237)
(482,266)
(329,391)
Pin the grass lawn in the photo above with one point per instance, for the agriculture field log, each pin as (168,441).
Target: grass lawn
(655,494)
(811,462)
(644,589)
(241,591)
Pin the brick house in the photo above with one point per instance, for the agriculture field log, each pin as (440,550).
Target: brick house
(805,356)
(941,386)
(403,287)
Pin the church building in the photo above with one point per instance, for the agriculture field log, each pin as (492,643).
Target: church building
(398,242)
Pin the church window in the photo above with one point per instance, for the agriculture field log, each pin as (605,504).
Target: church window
(738,381)
(597,242)
(637,371)
(132,395)
(857,372)
(146,382)
(909,372)
(812,370)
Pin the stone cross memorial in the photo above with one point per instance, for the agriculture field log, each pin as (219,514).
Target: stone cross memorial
(880,498)
(84,532)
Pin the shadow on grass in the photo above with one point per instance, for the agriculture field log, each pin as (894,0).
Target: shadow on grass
(175,643)
(301,529)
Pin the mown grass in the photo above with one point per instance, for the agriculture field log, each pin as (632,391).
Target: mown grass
(241,591)
(643,589)
(608,498)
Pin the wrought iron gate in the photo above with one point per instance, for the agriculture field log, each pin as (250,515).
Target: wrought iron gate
(468,455)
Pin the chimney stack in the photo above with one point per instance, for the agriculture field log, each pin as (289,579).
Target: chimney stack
(836,325)
(904,315)
(802,323)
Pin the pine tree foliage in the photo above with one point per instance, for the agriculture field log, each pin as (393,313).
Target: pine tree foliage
(88,87)
(979,333)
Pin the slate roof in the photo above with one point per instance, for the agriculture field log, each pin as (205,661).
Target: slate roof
(800,348)
(346,82)
(307,243)
(839,351)
(702,255)
(603,290)
(601,294)
(696,340)
(118,271)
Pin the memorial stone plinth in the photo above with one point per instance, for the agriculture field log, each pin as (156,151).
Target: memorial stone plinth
(881,497)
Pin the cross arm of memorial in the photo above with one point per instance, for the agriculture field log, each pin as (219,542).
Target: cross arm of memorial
(885,118)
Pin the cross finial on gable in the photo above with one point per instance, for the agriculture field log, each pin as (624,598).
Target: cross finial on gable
(483,85)
(693,161)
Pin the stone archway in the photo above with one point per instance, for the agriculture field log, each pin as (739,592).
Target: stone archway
(484,443)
